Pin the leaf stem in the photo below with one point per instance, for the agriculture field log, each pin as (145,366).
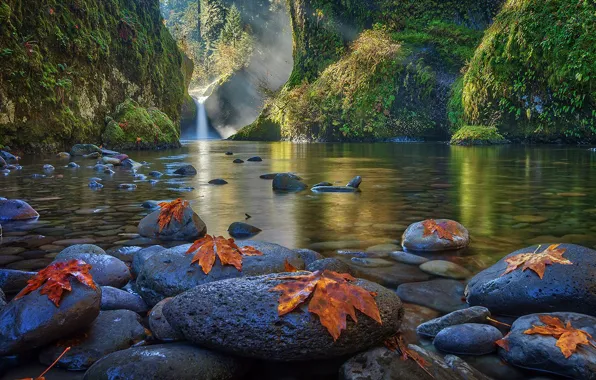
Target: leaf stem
(55,361)
(497,322)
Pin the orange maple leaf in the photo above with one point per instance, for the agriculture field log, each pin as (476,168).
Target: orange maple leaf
(334,297)
(537,262)
(504,342)
(288,267)
(174,209)
(54,279)
(568,337)
(398,343)
(445,230)
(227,251)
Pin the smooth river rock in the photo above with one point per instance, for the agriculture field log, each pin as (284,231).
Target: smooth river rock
(569,288)
(117,299)
(414,238)
(239,316)
(288,182)
(442,295)
(468,339)
(13,281)
(159,325)
(445,268)
(240,230)
(106,270)
(474,314)
(191,228)
(14,209)
(186,170)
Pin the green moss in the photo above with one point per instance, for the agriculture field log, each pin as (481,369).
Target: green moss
(477,135)
(533,76)
(262,129)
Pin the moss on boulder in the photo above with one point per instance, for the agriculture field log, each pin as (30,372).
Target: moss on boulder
(477,135)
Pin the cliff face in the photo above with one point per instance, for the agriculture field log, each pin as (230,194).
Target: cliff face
(66,64)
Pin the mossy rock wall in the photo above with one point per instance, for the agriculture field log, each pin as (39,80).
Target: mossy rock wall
(67,64)
(534,75)
(405,93)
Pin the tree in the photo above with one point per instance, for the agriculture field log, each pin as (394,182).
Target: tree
(212,18)
(232,30)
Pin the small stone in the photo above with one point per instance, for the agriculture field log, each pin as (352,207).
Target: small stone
(95,185)
(530,218)
(416,239)
(186,170)
(255,159)
(445,269)
(240,230)
(355,182)
(63,155)
(474,314)
(127,186)
(371,262)
(229,153)
(155,174)
(468,339)
(407,258)
(48,168)
(335,189)
(150,205)
(238,161)
(73,165)
(383,248)
(218,181)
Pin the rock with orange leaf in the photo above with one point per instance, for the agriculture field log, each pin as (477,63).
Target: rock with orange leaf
(433,235)
(559,343)
(241,316)
(538,279)
(33,319)
(174,221)
(171,272)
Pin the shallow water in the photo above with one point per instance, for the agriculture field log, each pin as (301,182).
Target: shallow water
(508,196)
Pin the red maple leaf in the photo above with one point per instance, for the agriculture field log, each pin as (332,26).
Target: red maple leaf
(228,252)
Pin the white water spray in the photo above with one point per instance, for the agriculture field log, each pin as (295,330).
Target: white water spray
(200,95)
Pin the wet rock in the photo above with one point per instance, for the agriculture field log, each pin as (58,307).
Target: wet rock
(34,321)
(130,164)
(48,168)
(125,254)
(63,155)
(240,230)
(414,238)
(288,182)
(95,185)
(414,316)
(169,273)
(127,186)
(229,153)
(106,270)
(120,157)
(383,248)
(28,265)
(467,371)
(268,176)
(155,174)
(110,160)
(112,331)
(371,262)
(92,156)
(322,184)
(140,177)
(159,325)
(238,161)
(468,339)
(218,181)
(496,368)
(73,165)
(176,361)
(11,250)
(248,321)
(255,159)
(309,256)
(186,170)
(563,288)
(394,275)
(116,299)
(474,314)
(335,189)
(109,172)
(445,269)
(2,163)
(539,352)
(38,176)
(355,182)
(14,209)
(8,157)
(443,295)
(407,258)
(191,228)
(6,259)
(142,255)
(331,264)
(83,149)
(82,248)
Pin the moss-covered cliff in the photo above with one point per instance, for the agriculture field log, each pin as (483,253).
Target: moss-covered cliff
(534,75)
(66,64)
(373,69)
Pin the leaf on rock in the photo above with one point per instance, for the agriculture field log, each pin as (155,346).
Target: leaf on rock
(445,230)
(228,252)
(537,262)
(504,342)
(54,279)
(398,343)
(288,267)
(174,209)
(332,297)
(568,337)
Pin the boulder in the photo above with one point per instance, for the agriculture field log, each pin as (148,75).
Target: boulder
(92,156)
(34,321)
(415,239)
(186,170)
(247,322)
(169,273)
(116,299)
(442,295)
(111,331)
(288,182)
(173,361)
(563,288)
(468,339)
(240,230)
(142,255)
(159,325)
(105,269)
(539,352)
(355,182)
(474,314)
(191,228)
(111,160)
(83,149)
(14,209)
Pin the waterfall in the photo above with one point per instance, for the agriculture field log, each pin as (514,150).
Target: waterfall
(202,125)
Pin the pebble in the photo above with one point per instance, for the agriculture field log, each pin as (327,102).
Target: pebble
(407,258)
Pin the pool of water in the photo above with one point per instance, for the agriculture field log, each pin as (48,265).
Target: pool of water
(507,196)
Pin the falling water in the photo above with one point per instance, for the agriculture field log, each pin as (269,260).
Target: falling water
(202,127)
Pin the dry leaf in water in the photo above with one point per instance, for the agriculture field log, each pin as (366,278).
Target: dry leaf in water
(537,262)
(55,279)
(445,230)
(171,210)
(568,337)
(229,253)
(332,296)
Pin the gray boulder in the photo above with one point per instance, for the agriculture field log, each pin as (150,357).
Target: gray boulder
(14,209)
(117,299)
(288,182)
(247,322)
(442,295)
(34,321)
(414,238)
(186,170)
(105,270)
(191,228)
(159,325)
(240,230)
(539,352)
(174,361)
(111,331)
(474,314)
(142,255)
(468,339)
(169,273)
(564,287)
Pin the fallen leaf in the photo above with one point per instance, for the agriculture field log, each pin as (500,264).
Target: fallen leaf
(568,337)
(397,343)
(54,279)
(445,230)
(174,209)
(334,297)
(537,262)
(228,252)
(504,342)
(289,267)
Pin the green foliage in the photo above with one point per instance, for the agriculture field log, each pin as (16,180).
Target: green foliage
(213,18)
(477,135)
(232,30)
(534,75)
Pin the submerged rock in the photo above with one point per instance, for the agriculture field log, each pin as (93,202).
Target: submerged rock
(335,189)
(329,263)
(415,237)
(241,230)
(288,182)
(155,174)
(63,155)
(468,339)
(247,323)
(238,161)
(255,159)
(407,258)
(83,149)
(173,361)
(14,209)
(443,295)
(127,186)
(112,331)
(268,176)
(95,185)
(445,269)
(322,184)
(186,170)
(191,227)
(48,168)
(73,165)
(92,156)
(474,314)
